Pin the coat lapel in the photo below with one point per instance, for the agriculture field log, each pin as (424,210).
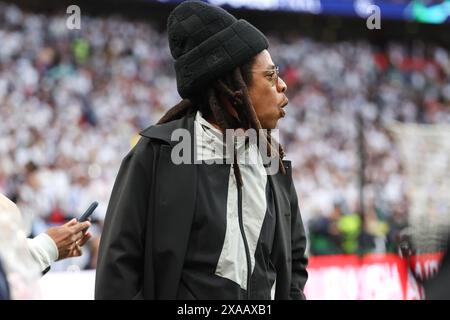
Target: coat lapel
(175,198)
(281,256)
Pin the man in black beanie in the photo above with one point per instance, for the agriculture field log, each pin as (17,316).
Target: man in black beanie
(204,229)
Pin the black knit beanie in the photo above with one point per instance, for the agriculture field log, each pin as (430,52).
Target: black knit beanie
(207,42)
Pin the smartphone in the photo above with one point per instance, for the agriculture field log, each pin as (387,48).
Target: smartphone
(88,212)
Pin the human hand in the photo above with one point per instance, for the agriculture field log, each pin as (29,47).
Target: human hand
(70,237)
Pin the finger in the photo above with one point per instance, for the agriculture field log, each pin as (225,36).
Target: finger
(81,226)
(72,246)
(77,251)
(72,222)
(77,236)
(85,238)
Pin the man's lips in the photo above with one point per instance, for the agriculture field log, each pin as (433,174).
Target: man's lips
(282,112)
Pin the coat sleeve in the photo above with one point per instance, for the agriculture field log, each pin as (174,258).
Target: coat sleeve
(44,250)
(299,258)
(120,264)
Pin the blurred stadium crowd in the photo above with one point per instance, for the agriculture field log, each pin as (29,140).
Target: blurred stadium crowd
(73,102)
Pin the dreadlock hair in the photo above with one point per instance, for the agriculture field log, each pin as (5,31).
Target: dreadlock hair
(234,87)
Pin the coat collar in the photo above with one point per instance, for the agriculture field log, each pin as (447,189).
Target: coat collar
(163,132)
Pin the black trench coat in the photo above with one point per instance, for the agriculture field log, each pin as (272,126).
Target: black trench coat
(149,216)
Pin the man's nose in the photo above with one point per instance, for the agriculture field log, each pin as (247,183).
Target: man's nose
(281,85)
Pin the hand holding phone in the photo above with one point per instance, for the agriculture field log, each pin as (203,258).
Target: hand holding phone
(88,212)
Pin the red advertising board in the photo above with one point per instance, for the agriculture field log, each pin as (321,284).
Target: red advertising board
(369,277)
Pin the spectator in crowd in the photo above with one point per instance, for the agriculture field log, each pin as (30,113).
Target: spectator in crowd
(437,288)
(56,243)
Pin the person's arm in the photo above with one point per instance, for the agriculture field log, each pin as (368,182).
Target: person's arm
(43,250)
(59,243)
(120,264)
(299,259)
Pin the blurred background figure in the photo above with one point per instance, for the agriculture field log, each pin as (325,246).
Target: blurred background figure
(438,287)
(57,243)
(368,114)
(21,270)
(4,286)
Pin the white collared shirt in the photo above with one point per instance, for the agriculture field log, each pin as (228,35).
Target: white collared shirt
(209,143)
